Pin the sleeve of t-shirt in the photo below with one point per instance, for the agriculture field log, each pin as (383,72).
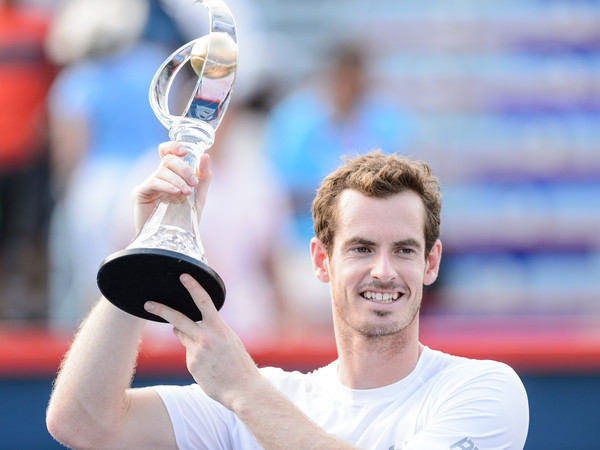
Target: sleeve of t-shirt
(199,422)
(485,408)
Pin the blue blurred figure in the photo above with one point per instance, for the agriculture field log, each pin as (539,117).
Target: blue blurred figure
(309,130)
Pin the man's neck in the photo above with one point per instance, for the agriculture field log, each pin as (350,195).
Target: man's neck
(371,362)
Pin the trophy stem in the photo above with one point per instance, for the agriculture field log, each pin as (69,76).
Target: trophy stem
(196,136)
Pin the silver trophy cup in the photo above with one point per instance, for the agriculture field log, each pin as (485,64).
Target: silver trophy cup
(169,243)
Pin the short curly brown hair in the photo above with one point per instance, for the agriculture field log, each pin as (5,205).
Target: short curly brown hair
(376,174)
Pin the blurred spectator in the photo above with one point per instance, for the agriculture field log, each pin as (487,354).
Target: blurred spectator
(340,112)
(25,77)
(101,121)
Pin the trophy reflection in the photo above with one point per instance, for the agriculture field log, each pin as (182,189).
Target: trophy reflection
(169,243)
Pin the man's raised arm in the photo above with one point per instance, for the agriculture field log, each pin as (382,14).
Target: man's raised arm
(92,404)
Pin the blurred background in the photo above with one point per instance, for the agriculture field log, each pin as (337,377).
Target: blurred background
(501,97)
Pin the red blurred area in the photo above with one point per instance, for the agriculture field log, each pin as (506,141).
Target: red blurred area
(532,345)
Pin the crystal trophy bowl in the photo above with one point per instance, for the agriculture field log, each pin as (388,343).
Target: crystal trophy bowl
(169,243)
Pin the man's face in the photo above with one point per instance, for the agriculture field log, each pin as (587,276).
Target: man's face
(377,267)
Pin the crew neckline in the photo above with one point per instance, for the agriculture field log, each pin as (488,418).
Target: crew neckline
(387,392)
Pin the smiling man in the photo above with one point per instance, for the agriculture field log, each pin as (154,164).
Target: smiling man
(377,222)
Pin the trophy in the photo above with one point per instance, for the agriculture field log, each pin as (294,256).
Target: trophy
(169,243)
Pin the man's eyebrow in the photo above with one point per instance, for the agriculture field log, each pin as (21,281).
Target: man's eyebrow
(410,242)
(358,241)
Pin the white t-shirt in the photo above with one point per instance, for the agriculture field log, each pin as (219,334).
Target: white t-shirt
(447,402)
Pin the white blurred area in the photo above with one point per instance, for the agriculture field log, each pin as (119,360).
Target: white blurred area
(505,95)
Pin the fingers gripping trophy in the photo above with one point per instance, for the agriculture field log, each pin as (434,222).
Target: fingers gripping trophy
(169,243)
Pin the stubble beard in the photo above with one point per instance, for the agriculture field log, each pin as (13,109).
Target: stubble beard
(372,330)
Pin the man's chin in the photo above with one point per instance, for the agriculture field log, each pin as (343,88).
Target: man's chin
(373,330)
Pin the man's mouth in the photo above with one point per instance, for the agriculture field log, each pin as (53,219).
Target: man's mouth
(381,297)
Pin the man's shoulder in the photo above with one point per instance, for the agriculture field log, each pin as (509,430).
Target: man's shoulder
(457,371)
(447,361)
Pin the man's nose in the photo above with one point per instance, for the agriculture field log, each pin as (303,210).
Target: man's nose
(383,268)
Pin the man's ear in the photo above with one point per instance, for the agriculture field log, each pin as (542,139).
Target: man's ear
(320,260)
(432,263)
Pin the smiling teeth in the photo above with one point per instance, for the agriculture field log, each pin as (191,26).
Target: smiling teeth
(381,297)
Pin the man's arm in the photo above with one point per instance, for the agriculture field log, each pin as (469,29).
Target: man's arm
(92,405)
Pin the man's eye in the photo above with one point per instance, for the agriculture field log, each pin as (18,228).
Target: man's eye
(407,251)
(361,249)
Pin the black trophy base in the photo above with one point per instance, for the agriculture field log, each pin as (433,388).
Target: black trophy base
(129,278)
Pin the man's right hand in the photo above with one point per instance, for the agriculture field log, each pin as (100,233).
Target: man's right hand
(172,177)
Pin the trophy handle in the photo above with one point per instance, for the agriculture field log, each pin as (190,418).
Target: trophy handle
(162,81)
(215,62)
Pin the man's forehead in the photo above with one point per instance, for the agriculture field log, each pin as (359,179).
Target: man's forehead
(403,211)
(405,201)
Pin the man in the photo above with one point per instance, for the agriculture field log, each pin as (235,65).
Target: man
(377,243)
